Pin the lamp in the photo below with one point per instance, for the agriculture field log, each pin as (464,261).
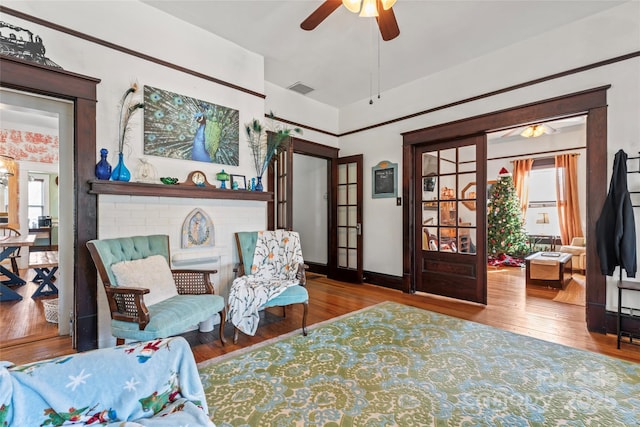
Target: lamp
(367,8)
(543,218)
(7,169)
(533,131)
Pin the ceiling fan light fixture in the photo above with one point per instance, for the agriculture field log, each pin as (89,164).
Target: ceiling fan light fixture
(388,4)
(352,5)
(369,9)
(533,131)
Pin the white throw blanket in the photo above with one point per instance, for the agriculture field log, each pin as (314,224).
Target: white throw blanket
(276,260)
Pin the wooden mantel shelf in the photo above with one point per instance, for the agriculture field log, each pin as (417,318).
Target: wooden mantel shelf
(179,190)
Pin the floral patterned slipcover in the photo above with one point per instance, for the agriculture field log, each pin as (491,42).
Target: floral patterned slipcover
(154,383)
(276,260)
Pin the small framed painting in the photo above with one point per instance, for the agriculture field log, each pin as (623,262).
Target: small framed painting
(238,182)
(384,180)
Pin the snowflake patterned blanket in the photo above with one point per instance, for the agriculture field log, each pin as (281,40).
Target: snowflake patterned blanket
(276,261)
(154,383)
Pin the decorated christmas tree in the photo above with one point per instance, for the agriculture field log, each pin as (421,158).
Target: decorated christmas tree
(506,236)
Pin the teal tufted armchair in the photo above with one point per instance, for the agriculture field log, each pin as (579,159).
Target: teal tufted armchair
(191,301)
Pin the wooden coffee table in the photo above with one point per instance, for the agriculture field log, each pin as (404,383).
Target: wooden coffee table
(549,269)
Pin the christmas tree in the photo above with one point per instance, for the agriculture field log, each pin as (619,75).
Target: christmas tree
(506,236)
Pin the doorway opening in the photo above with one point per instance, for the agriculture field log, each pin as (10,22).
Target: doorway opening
(542,207)
(303,179)
(590,103)
(39,133)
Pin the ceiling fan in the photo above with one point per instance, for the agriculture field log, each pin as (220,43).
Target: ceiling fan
(381,9)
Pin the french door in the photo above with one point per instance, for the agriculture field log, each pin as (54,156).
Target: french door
(450,219)
(348,230)
(283,190)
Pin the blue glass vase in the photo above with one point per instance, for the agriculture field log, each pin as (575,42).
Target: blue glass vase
(259,184)
(103,168)
(120,172)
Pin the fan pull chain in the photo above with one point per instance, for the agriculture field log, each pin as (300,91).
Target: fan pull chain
(378,38)
(372,34)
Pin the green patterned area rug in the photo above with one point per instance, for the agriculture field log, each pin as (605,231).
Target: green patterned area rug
(395,365)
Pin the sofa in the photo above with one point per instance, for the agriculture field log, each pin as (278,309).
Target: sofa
(152,383)
(578,250)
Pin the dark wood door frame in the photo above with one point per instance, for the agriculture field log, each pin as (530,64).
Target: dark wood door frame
(81,90)
(312,149)
(592,103)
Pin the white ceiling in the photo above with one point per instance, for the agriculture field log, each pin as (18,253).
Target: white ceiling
(339,56)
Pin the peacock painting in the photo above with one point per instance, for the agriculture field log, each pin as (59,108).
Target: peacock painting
(186,128)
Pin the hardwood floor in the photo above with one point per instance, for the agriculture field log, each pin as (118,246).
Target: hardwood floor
(512,306)
(24,321)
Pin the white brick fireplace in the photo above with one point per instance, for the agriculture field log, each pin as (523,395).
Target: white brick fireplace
(122,215)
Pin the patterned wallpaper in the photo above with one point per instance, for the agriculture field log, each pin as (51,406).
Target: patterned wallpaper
(29,146)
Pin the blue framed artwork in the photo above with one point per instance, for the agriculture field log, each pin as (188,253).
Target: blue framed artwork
(181,127)
(384,180)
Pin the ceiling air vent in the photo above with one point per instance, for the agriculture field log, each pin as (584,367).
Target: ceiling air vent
(300,88)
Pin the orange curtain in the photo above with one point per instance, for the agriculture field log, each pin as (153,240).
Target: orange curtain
(567,197)
(521,169)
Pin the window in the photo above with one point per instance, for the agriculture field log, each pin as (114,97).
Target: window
(38,198)
(542,215)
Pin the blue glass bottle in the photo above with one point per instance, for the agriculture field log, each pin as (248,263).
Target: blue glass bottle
(103,168)
(259,184)
(120,172)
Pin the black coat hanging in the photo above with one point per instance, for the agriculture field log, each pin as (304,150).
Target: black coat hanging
(616,229)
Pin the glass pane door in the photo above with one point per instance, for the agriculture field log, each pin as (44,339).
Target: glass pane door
(450,237)
(349,219)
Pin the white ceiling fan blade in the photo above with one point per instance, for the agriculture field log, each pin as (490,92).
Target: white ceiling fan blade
(512,132)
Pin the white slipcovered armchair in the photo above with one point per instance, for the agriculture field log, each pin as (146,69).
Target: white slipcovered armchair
(578,249)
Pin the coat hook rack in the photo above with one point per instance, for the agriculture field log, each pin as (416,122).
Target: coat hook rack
(635,171)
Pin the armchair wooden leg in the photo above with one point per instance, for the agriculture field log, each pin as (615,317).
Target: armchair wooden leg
(235,335)
(304,318)
(223,319)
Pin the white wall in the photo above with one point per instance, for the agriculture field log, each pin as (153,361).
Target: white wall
(606,35)
(300,109)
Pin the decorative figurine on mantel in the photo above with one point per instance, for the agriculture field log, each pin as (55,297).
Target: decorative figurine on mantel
(146,172)
(223,177)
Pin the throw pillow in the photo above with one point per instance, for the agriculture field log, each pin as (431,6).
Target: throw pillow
(152,273)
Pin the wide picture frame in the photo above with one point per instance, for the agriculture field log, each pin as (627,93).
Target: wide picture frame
(186,128)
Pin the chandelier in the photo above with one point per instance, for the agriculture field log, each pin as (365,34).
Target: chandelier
(7,169)
(367,8)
